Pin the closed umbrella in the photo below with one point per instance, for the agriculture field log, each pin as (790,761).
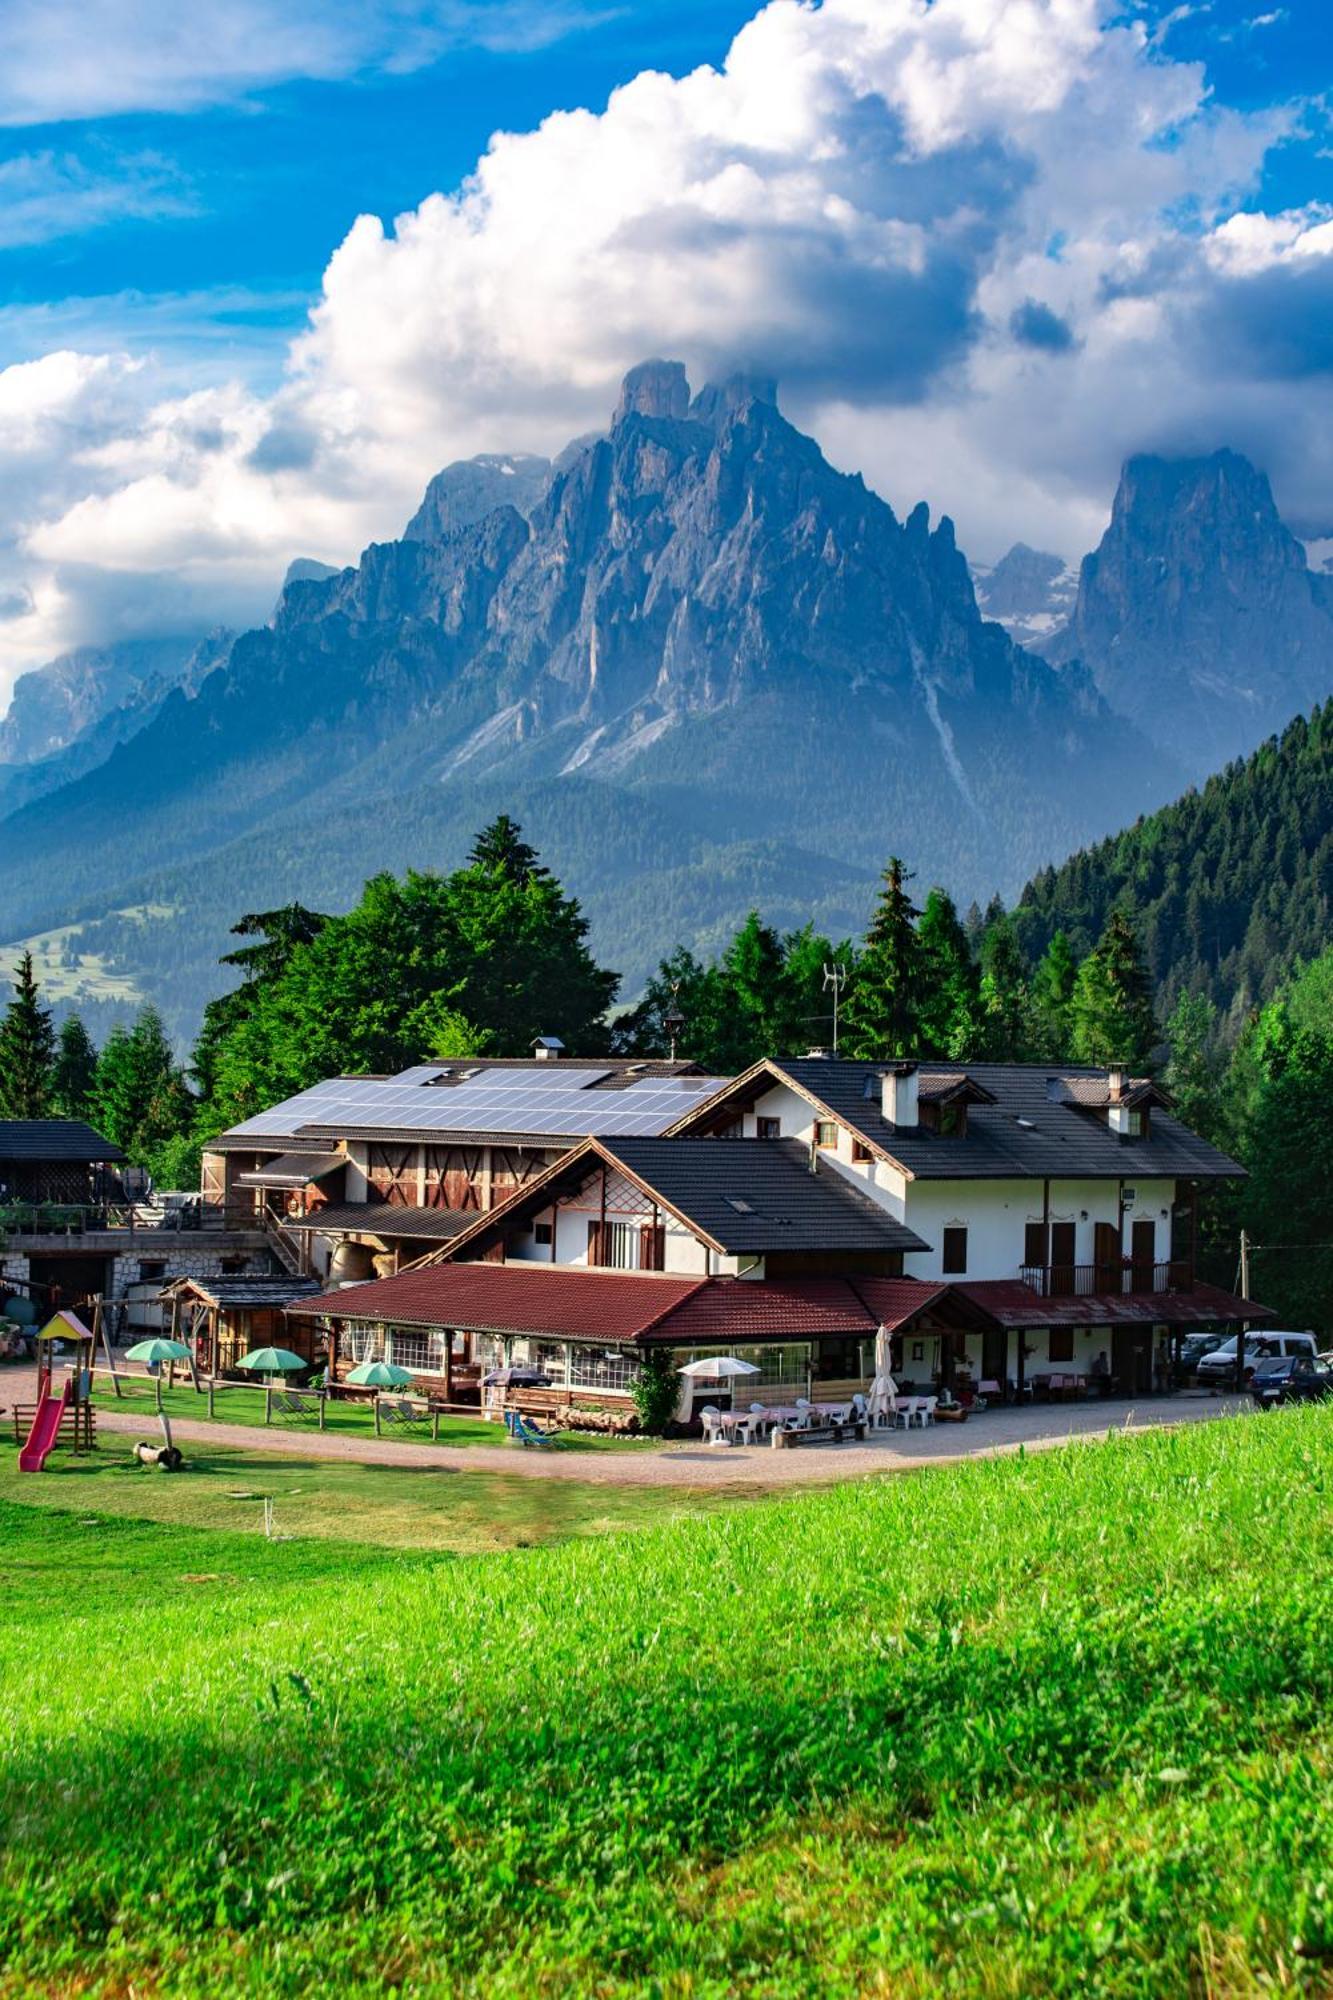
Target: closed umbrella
(883,1385)
(717,1367)
(157,1351)
(380,1375)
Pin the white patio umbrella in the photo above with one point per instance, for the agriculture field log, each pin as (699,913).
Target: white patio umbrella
(717,1367)
(883,1384)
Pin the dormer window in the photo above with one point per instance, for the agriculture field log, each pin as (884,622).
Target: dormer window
(826,1135)
(948,1120)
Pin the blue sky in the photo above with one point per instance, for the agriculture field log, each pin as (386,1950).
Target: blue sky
(989,246)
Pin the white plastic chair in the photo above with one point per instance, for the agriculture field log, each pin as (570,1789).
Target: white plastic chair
(904,1412)
(711,1418)
(805,1413)
(760,1422)
(925,1410)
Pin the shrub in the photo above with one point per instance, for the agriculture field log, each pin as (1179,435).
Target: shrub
(656,1392)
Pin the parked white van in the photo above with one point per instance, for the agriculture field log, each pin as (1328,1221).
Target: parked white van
(1218,1369)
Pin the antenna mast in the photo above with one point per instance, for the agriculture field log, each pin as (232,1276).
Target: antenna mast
(835,976)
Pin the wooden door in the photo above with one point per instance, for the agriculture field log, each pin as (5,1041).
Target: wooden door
(1062,1260)
(1142,1254)
(1106,1257)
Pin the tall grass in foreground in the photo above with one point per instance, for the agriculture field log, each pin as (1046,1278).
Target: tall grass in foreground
(1013,1727)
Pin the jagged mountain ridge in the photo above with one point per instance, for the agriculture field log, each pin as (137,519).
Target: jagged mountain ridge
(1028,591)
(697,608)
(1198,615)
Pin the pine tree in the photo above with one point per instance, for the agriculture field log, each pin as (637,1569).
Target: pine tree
(1052,995)
(501,846)
(950,1003)
(74,1076)
(27,1049)
(885,986)
(1193,1074)
(1111,1017)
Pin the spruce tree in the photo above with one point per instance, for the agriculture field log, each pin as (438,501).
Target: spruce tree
(74,1075)
(950,1003)
(1052,994)
(1006,1004)
(27,1049)
(882,1017)
(140,1098)
(1111,1017)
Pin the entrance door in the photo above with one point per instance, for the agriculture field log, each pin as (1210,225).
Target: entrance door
(1062,1260)
(1106,1256)
(1131,1359)
(1142,1253)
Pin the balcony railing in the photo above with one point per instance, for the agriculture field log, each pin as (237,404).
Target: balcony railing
(59,1218)
(1077,1281)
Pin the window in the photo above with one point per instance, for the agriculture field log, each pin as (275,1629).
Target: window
(151,1270)
(543,1232)
(231,1267)
(769,1128)
(826,1135)
(954,1260)
(1061,1343)
(861,1152)
(416,1348)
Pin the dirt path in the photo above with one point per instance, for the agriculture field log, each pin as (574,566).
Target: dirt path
(692,1464)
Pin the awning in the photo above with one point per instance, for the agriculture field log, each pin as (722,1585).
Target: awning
(381,1218)
(1011,1303)
(293,1170)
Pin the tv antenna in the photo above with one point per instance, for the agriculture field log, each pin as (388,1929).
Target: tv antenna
(673,1020)
(835,976)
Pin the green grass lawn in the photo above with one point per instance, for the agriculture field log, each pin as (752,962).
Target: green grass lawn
(237,1403)
(223,1488)
(1049,1725)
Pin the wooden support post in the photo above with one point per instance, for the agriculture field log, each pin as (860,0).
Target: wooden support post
(323,1399)
(99,1325)
(210,1395)
(268,1403)
(377,1416)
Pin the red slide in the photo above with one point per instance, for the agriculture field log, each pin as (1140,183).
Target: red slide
(45,1429)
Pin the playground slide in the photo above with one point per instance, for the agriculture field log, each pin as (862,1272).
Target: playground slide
(45,1430)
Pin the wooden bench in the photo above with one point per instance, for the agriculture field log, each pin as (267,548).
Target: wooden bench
(783,1439)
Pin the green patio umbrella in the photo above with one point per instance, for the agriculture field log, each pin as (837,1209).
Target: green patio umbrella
(158,1350)
(272,1361)
(380,1375)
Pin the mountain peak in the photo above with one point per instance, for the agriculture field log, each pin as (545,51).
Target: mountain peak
(1197,614)
(472,487)
(654,389)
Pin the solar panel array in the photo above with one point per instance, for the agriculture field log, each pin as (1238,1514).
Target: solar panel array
(562,1104)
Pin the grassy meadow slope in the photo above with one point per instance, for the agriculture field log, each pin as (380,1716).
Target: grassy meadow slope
(1026,1726)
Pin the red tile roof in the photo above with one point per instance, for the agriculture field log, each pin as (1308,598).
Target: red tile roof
(1011,1303)
(629,1306)
(514,1298)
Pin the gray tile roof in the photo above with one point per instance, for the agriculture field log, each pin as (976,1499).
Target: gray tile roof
(242,1294)
(54,1139)
(382,1218)
(1057,1140)
(761,1196)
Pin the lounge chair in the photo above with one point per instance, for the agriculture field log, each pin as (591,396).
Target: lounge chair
(525,1433)
(402,1412)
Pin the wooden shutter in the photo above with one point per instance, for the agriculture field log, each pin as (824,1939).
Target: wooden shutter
(595,1242)
(954,1260)
(652,1247)
(1062,1260)
(1034,1245)
(1143,1253)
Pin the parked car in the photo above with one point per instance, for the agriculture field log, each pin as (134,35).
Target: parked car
(1192,1350)
(1292,1378)
(1218,1369)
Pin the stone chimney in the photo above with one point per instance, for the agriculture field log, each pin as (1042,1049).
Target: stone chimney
(900,1096)
(1115,1084)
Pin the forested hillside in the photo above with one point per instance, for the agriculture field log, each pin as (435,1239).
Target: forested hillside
(1229,888)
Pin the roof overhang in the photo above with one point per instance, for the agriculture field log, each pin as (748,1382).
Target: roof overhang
(293,1170)
(749,1086)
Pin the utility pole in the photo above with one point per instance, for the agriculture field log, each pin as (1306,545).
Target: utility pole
(835,976)
(1245,1293)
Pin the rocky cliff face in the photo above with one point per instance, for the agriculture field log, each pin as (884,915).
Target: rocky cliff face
(1198,615)
(696,607)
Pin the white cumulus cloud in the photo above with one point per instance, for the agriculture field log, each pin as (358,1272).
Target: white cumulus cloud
(982,244)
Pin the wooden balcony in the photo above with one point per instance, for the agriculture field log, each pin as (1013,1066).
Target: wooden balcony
(1080,1281)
